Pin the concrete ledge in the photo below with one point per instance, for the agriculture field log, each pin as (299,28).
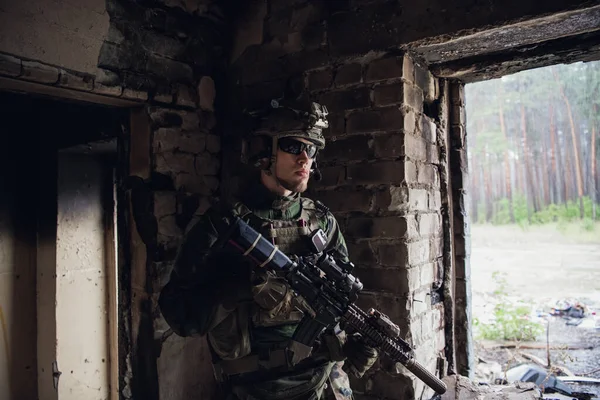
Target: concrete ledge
(30,76)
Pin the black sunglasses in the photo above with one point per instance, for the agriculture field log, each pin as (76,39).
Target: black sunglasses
(293,146)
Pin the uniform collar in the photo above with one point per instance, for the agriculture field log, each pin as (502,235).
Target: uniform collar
(258,198)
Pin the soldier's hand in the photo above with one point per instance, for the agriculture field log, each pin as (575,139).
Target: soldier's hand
(359,356)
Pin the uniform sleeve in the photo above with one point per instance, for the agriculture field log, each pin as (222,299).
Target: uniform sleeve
(194,296)
(336,244)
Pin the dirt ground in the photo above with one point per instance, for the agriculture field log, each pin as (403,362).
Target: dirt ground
(543,266)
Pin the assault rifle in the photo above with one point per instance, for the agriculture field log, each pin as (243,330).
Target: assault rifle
(327,290)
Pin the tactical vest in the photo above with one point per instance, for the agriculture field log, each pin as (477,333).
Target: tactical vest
(274,303)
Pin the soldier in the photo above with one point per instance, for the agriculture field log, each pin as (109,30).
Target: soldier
(249,314)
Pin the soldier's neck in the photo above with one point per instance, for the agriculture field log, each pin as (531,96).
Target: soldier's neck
(271,183)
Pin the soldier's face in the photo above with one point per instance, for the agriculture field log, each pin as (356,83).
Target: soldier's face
(293,171)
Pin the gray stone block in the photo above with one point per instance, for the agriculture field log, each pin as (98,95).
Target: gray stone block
(9,65)
(34,71)
(73,81)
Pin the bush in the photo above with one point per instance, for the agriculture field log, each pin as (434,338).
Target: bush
(588,225)
(511,322)
(520,210)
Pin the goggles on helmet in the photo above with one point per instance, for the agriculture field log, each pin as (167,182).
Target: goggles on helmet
(292,146)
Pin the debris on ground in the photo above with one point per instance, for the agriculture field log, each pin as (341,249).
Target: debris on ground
(461,388)
(566,356)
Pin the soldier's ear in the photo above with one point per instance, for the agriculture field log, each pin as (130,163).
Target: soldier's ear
(263,163)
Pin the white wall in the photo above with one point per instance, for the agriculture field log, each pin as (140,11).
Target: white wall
(81,286)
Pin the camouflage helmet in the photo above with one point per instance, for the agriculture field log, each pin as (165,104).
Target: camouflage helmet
(285,121)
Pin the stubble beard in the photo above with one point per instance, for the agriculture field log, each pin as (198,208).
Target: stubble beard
(296,187)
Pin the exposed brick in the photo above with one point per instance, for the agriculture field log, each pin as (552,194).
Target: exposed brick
(385,95)
(190,120)
(161,44)
(418,199)
(34,71)
(164,117)
(72,81)
(320,79)
(384,119)
(348,74)
(393,198)
(163,97)
(418,253)
(165,203)
(413,96)
(428,175)
(133,94)
(457,115)
(172,70)
(186,96)
(169,139)
(410,171)
(9,65)
(436,248)
(377,172)
(393,254)
(207,164)
(457,94)
(408,69)
(213,143)
(428,129)
(107,78)
(391,145)
(390,68)
(349,148)
(331,176)
(207,93)
(396,280)
(346,200)
(115,57)
(170,163)
(346,99)
(428,274)
(429,224)
(362,253)
(457,133)
(337,125)
(107,90)
(433,155)
(380,227)
(426,82)
(415,148)
(168,230)
(435,200)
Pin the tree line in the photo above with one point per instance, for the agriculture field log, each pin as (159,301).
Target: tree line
(533,140)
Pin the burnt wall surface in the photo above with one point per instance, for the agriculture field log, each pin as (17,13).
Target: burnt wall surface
(167,60)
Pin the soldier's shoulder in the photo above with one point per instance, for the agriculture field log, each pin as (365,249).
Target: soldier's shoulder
(315,205)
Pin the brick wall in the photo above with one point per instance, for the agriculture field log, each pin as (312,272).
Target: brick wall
(461,230)
(381,171)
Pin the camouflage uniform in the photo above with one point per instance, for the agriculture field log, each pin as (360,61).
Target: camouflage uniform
(249,315)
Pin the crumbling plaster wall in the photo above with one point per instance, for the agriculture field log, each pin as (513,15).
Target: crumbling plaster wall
(164,59)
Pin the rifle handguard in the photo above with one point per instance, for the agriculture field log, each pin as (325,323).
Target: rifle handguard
(329,291)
